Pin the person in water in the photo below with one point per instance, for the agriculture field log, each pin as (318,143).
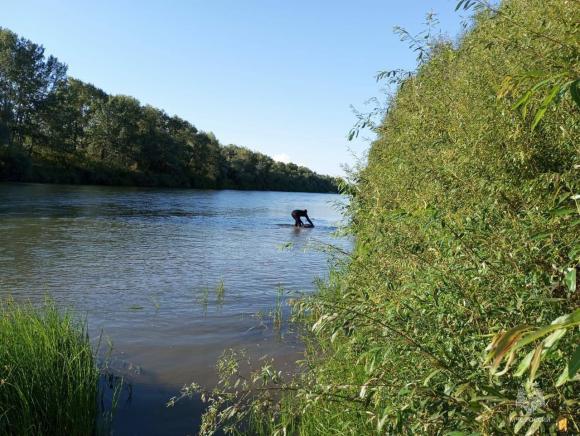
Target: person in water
(296,214)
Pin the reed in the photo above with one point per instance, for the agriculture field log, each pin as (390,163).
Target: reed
(48,374)
(277,314)
(220,293)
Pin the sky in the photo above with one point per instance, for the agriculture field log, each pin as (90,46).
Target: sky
(278,77)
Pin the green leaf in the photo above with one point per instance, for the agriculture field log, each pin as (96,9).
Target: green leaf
(426,382)
(459,3)
(536,423)
(570,280)
(382,421)
(521,422)
(574,317)
(563,377)
(541,236)
(574,252)
(334,336)
(523,100)
(539,115)
(461,389)
(535,74)
(574,363)
(562,211)
(524,364)
(541,83)
(551,95)
(551,340)
(537,356)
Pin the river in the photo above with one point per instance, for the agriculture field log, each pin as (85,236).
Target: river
(170,278)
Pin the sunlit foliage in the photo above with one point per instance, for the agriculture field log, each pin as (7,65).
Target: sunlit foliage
(458,311)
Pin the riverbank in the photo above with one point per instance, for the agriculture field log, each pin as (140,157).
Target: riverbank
(466,221)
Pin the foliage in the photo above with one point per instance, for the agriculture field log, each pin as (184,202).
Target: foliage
(72,132)
(467,247)
(227,404)
(48,375)
(466,220)
(507,343)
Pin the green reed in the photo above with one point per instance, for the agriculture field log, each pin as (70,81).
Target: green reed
(220,293)
(48,375)
(277,314)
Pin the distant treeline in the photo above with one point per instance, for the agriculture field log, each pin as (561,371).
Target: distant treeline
(57,129)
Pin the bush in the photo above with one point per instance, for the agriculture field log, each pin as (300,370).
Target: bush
(466,225)
(467,249)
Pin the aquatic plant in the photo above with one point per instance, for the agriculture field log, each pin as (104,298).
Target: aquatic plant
(220,293)
(136,307)
(203,299)
(277,312)
(48,375)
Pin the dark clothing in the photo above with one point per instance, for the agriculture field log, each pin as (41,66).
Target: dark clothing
(296,214)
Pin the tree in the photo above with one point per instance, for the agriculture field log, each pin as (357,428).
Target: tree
(28,85)
(113,131)
(74,105)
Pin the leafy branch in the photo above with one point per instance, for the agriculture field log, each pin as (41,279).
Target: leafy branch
(506,344)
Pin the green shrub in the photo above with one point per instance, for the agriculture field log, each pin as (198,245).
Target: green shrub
(467,252)
(466,225)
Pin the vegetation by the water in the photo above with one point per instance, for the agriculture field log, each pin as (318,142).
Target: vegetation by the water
(49,380)
(458,311)
(57,129)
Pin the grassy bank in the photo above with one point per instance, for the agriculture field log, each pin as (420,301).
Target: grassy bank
(458,310)
(48,375)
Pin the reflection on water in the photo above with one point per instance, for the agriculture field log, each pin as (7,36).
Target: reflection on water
(172,277)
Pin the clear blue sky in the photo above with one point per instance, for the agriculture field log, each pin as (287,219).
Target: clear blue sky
(275,76)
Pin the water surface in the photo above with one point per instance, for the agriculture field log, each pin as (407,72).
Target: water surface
(146,267)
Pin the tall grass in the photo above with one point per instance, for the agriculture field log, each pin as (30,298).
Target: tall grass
(48,375)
